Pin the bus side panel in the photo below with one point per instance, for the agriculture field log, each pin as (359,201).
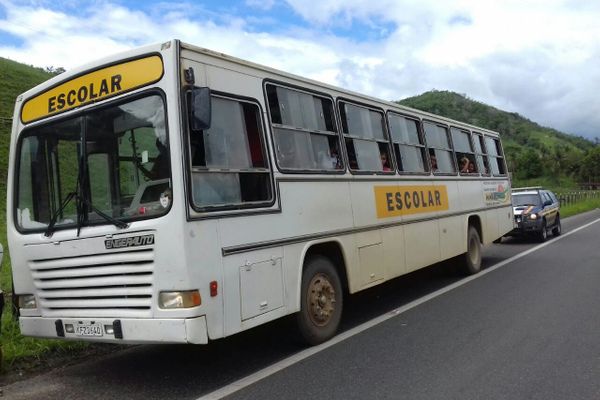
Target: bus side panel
(453,233)
(422,244)
(393,251)
(505,221)
(453,236)
(369,245)
(303,212)
(253,289)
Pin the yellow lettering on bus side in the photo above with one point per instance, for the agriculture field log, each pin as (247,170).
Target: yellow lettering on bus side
(94,86)
(393,201)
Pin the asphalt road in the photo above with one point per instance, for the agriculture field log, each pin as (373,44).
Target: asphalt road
(528,329)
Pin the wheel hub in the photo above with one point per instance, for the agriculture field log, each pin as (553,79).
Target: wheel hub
(321,300)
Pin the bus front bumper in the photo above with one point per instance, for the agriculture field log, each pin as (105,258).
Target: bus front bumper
(121,330)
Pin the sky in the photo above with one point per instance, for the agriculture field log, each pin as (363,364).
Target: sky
(539,58)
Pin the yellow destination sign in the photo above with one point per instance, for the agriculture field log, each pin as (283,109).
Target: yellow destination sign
(94,86)
(393,201)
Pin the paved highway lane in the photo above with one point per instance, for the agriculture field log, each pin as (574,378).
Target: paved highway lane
(525,330)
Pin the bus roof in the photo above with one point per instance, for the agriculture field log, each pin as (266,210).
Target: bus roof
(366,98)
(154,48)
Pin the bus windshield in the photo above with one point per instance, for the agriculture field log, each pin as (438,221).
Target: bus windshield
(112,161)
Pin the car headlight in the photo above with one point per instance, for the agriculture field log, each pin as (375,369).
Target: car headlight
(533,216)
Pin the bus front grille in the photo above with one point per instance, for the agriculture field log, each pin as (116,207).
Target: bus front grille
(102,285)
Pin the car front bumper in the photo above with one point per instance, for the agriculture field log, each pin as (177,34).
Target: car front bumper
(526,226)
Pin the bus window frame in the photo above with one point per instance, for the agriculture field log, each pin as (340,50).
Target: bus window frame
(501,156)
(386,133)
(271,132)
(472,153)
(483,153)
(450,142)
(229,210)
(78,113)
(421,134)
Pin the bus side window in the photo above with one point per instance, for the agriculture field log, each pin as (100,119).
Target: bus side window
(304,130)
(465,156)
(366,141)
(228,162)
(439,148)
(408,143)
(481,154)
(495,155)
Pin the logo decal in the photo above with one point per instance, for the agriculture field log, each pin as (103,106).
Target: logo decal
(133,241)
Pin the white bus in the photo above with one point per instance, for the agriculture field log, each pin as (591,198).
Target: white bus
(175,194)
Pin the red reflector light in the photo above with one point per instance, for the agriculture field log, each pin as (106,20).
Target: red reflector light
(214,288)
(142,210)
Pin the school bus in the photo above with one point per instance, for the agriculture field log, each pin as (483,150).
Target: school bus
(176,194)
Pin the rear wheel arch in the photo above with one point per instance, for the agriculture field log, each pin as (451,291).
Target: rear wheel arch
(323,286)
(334,252)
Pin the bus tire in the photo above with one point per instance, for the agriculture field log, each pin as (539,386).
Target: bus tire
(321,301)
(471,260)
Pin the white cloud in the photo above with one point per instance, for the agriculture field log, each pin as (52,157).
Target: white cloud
(534,57)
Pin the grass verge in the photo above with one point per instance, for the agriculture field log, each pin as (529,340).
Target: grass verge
(579,207)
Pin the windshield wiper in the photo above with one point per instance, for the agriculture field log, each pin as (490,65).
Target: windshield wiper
(82,201)
(54,219)
(116,222)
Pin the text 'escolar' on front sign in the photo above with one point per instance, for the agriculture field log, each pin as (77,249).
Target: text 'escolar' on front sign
(393,201)
(93,86)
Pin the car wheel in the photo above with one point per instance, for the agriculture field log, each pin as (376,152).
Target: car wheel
(471,260)
(321,301)
(557,230)
(543,233)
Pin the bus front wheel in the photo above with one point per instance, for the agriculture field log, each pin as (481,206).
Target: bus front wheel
(471,260)
(321,301)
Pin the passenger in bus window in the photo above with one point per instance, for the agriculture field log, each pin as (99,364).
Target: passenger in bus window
(464,165)
(384,162)
(472,169)
(433,158)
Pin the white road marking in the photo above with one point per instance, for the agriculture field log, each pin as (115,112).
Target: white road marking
(278,366)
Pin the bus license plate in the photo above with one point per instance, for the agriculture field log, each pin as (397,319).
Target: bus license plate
(88,330)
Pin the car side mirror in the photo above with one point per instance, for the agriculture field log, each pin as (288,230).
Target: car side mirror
(547,203)
(200,109)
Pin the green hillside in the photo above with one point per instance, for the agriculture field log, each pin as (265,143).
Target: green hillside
(15,78)
(533,152)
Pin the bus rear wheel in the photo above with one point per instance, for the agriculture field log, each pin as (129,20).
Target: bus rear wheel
(321,301)
(471,260)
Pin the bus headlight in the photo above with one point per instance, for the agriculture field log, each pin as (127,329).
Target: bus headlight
(27,301)
(183,299)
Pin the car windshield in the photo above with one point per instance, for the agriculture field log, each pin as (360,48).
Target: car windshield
(526,199)
(109,163)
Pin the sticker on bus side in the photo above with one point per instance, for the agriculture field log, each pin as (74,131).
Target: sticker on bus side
(393,201)
(94,86)
(496,193)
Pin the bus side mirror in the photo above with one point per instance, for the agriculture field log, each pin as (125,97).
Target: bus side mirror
(200,109)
